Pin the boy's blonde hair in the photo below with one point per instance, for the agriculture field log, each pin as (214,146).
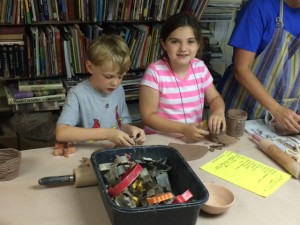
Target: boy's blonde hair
(110,50)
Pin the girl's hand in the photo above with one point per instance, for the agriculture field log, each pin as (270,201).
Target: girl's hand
(193,133)
(217,122)
(119,138)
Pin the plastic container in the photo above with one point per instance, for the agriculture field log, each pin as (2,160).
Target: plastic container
(235,122)
(181,176)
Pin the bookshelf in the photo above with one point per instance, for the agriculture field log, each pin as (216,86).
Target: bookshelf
(51,37)
(48,39)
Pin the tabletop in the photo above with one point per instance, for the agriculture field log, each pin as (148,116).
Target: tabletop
(24,201)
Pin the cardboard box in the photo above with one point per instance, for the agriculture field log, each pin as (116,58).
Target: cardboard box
(182,177)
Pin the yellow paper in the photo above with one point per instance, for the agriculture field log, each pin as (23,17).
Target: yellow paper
(247,173)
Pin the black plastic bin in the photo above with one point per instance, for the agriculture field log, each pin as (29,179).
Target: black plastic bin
(181,176)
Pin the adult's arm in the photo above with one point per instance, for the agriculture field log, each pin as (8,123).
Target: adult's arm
(243,61)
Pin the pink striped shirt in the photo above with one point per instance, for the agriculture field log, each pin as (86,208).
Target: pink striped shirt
(180,99)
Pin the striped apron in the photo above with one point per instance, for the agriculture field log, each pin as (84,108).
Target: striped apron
(277,68)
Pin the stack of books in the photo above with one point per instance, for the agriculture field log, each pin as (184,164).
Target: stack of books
(35,94)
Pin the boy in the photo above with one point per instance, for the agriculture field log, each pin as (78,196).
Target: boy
(95,109)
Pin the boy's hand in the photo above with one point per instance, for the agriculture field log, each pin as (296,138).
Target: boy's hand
(119,138)
(138,135)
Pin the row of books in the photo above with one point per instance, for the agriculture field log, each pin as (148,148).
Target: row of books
(12,58)
(217,10)
(130,83)
(34,91)
(142,40)
(45,51)
(31,11)
(150,9)
(51,50)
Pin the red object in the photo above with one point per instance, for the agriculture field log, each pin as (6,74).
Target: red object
(132,174)
(187,195)
(96,124)
(119,120)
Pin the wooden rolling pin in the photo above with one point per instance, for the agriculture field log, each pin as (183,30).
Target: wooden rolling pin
(280,157)
(82,177)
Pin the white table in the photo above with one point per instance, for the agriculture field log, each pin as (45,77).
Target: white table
(24,201)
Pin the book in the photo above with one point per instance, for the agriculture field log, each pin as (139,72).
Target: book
(11,100)
(58,49)
(11,61)
(4,60)
(8,37)
(13,87)
(41,84)
(37,106)
(36,51)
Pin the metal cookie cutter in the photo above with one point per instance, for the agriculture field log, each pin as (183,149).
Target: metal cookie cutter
(295,154)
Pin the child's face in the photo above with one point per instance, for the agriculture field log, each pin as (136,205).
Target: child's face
(104,78)
(181,46)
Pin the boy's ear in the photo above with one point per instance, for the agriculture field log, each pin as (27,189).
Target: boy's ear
(89,66)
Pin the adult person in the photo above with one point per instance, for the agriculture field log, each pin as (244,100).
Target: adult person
(265,74)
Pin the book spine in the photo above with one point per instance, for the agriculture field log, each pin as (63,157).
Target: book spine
(39,87)
(58,48)
(11,61)
(4,58)
(27,12)
(11,100)
(36,85)
(59,97)
(28,55)
(29,94)
(17,59)
(45,10)
(2,62)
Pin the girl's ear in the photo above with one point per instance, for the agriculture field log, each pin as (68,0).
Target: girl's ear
(163,44)
(89,66)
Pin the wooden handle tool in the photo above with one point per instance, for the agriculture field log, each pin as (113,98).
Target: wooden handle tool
(280,157)
(82,177)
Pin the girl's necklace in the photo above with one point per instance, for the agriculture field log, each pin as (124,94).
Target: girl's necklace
(181,99)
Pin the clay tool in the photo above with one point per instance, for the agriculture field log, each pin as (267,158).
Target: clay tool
(81,177)
(280,157)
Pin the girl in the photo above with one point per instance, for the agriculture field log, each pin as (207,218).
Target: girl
(174,88)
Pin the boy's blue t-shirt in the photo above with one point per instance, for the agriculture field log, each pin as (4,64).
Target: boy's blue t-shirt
(85,107)
(256,22)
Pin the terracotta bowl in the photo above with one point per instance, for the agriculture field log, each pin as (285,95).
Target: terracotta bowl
(220,199)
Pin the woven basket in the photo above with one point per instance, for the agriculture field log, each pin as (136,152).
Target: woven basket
(10,160)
